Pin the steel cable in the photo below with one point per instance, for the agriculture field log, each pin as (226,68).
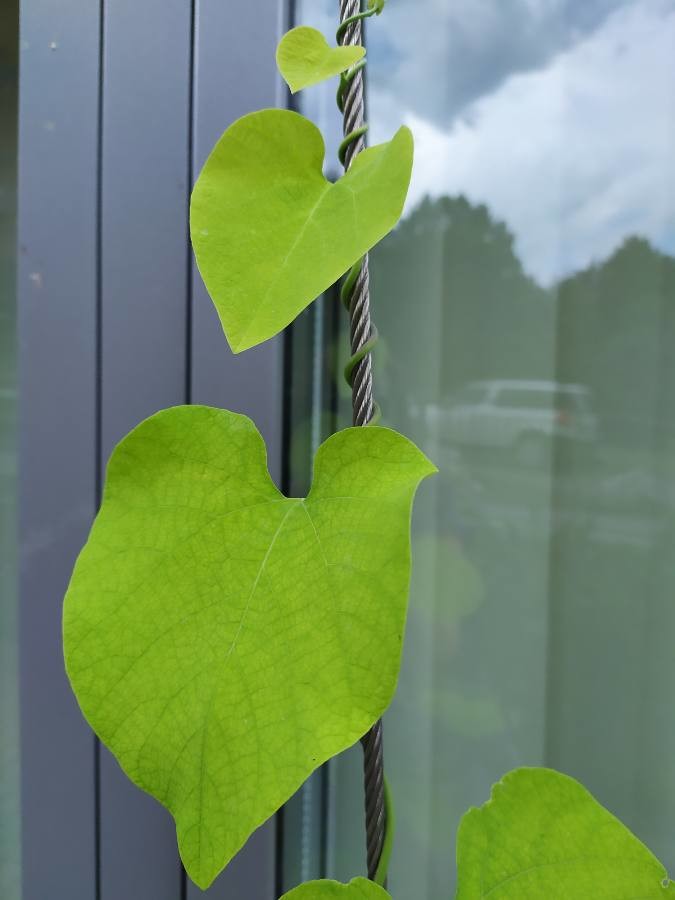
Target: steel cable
(356,297)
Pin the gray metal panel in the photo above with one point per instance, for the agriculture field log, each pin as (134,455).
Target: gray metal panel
(143,279)
(231,80)
(236,73)
(144,205)
(57,328)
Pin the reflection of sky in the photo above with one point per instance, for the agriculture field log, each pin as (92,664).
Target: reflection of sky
(558,114)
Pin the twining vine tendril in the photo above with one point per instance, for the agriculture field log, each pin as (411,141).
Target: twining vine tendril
(355,296)
(355,288)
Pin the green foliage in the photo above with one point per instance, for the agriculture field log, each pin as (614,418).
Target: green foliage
(358,889)
(271,233)
(224,640)
(304,58)
(542,835)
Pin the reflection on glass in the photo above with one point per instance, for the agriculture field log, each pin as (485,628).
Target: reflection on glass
(526,305)
(9,737)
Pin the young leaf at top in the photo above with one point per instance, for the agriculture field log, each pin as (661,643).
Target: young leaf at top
(542,835)
(358,889)
(224,640)
(304,58)
(270,233)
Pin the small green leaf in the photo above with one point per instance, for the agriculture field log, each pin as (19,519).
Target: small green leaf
(223,640)
(304,57)
(358,889)
(542,835)
(377,5)
(270,233)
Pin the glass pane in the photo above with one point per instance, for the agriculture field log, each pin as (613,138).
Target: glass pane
(526,305)
(9,732)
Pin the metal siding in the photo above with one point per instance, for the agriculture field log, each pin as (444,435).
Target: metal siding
(231,80)
(144,211)
(141,284)
(57,278)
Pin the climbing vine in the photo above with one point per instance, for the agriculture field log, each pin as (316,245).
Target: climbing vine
(224,640)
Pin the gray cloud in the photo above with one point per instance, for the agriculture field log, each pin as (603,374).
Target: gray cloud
(557,114)
(576,155)
(440,56)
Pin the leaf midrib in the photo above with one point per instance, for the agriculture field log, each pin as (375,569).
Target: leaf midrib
(326,188)
(343,183)
(558,864)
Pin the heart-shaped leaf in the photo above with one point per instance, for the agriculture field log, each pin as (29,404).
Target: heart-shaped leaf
(542,835)
(358,889)
(224,641)
(304,57)
(270,233)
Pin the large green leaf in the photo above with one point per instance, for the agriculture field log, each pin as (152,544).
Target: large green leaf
(224,640)
(542,836)
(358,889)
(270,233)
(304,57)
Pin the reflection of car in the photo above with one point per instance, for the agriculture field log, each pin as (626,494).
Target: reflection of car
(515,414)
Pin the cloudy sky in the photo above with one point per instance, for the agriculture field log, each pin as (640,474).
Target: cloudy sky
(558,114)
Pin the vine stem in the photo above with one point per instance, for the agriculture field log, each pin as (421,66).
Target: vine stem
(355,295)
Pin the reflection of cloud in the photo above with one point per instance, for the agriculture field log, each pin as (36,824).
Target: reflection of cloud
(441,55)
(575,155)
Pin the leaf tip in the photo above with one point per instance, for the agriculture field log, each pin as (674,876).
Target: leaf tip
(237,344)
(198,871)
(427,468)
(420,463)
(405,137)
(202,882)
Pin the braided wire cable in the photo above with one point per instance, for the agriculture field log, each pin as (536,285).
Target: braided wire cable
(358,372)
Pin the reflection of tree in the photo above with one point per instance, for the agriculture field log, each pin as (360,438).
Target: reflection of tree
(492,312)
(608,327)
(616,332)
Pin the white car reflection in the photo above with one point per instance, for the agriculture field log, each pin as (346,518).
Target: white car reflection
(521,416)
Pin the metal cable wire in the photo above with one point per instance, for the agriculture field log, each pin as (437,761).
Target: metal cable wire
(356,297)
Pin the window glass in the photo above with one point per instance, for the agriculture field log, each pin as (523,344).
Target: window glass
(536,256)
(470,395)
(523,398)
(9,737)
